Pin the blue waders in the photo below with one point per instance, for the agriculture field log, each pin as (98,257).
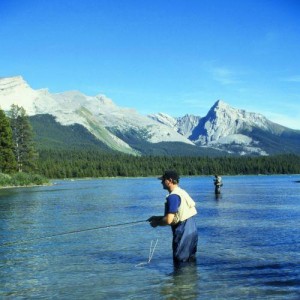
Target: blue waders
(185,238)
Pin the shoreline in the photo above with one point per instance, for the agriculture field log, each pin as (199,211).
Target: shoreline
(23,186)
(51,181)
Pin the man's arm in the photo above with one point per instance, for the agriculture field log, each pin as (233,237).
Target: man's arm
(161,220)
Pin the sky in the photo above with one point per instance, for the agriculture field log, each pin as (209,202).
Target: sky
(172,56)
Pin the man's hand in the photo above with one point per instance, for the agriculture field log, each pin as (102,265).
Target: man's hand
(154,220)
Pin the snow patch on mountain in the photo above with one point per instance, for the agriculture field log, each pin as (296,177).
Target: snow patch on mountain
(242,144)
(234,138)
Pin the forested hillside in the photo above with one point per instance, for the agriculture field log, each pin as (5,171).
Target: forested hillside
(73,152)
(49,134)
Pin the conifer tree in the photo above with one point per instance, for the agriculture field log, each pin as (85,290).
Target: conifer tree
(7,158)
(24,150)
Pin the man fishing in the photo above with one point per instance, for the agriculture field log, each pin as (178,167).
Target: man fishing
(218,183)
(179,214)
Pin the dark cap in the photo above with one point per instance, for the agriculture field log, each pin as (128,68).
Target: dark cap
(170,175)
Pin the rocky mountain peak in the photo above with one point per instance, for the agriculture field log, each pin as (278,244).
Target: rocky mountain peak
(225,125)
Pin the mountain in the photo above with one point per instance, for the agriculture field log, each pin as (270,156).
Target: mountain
(243,132)
(49,134)
(105,120)
(98,122)
(235,131)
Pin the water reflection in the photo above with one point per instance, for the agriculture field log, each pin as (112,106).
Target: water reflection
(218,197)
(182,282)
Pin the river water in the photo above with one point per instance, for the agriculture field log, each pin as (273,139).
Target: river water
(61,242)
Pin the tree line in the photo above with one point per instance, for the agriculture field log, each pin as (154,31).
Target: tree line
(91,163)
(18,154)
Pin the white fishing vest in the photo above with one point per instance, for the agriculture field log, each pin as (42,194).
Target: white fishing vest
(186,208)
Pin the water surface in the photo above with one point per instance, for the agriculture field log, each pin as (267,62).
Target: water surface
(249,240)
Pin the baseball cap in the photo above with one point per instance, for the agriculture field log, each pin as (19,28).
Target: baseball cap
(170,174)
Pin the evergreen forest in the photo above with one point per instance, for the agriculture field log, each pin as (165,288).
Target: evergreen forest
(73,153)
(91,163)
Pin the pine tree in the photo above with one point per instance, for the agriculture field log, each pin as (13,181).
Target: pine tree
(7,158)
(25,153)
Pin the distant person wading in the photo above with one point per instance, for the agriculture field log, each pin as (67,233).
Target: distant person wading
(218,183)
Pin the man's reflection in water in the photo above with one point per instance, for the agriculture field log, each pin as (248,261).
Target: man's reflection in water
(183,282)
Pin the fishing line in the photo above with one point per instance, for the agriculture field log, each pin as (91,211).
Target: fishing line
(70,232)
(151,252)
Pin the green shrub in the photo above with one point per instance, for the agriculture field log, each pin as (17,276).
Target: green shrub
(22,179)
(38,179)
(4,179)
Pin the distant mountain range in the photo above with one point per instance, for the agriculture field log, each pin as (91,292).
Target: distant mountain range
(72,119)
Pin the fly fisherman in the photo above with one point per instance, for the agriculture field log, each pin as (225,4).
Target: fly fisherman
(179,214)
(218,183)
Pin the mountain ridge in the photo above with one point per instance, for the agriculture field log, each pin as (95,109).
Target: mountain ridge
(224,128)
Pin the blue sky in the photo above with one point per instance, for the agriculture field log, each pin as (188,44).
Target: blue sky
(171,56)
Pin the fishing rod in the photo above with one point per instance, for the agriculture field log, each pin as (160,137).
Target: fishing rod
(70,232)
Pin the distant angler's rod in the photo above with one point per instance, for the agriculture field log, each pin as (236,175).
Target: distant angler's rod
(70,232)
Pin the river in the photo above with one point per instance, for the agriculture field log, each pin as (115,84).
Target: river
(88,239)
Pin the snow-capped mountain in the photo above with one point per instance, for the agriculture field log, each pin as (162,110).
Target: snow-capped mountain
(224,126)
(235,131)
(123,129)
(98,114)
(242,132)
